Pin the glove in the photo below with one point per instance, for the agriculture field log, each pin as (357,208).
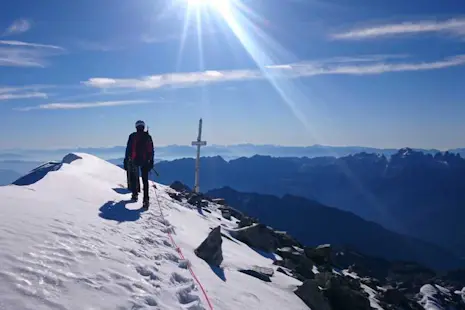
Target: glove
(150,165)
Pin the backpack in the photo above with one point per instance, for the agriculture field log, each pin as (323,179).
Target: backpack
(141,148)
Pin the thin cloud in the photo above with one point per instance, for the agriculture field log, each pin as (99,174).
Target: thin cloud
(22,96)
(17,27)
(23,92)
(82,105)
(34,87)
(455,27)
(28,44)
(285,71)
(26,54)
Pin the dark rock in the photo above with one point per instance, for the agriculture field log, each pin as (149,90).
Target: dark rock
(323,279)
(393,296)
(226,214)
(453,278)
(300,263)
(258,236)
(286,240)
(409,276)
(220,201)
(370,282)
(321,255)
(256,274)
(196,200)
(210,249)
(397,300)
(279,269)
(236,213)
(180,187)
(245,221)
(312,296)
(175,196)
(285,263)
(343,294)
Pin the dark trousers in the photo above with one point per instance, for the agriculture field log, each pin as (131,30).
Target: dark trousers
(135,181)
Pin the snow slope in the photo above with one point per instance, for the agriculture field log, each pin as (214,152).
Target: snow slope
(71,239)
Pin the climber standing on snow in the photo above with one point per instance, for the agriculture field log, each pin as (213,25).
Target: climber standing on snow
(139,156)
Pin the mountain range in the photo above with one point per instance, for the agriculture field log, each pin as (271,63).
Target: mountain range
(411,192)
(313,223)
(71,236)
(228,152)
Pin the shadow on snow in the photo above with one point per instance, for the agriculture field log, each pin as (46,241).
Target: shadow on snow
(122,191)
(219,272)
(117,211)
(268,255)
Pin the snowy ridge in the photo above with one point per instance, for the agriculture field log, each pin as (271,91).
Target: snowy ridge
(71,239)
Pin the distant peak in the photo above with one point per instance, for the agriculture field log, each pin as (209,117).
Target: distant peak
(68,159)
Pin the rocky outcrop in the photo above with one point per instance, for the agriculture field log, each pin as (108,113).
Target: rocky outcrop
(235,213)
(261,273)
(226,214)
(332,278)
(176,196)
(343,294)
(245,221)
(286,240)
(180,187)
(296,260)
(219,201)
(210,249)
(395,298)
(312,296)
(258,235)
(320,255)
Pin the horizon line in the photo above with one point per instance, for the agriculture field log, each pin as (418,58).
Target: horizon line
(56,149)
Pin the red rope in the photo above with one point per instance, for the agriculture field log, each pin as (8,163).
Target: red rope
(178,249)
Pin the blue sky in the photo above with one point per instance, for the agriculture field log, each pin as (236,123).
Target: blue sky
(290,72)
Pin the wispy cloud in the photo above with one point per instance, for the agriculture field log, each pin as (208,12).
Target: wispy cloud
(23,92)
(22,96)
(17,27)
(27,44)
(26,54)
(454,27)
(360,66)
(82,105)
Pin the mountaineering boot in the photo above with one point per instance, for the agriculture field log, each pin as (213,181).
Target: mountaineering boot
(145,204)
(134,197)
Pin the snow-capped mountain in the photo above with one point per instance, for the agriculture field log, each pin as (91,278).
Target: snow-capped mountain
(411,192)
(71,239)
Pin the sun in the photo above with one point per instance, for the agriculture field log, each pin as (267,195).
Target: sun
(221,5)
(198,2)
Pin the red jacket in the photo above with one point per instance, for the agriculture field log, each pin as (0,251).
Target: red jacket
(140,148)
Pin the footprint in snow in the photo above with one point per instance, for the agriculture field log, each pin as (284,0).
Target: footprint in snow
(188,299)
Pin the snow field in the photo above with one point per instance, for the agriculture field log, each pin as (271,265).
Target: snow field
(73,240)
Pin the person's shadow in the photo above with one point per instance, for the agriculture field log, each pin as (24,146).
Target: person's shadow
(117,211)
